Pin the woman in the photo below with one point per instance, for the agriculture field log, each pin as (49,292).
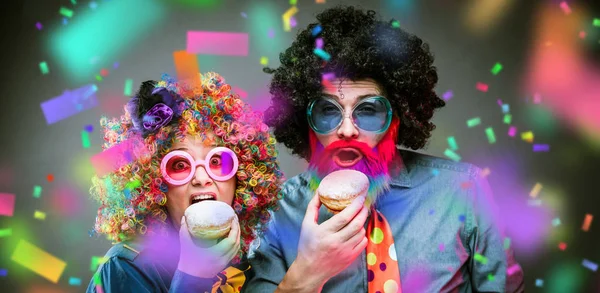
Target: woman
(142,207)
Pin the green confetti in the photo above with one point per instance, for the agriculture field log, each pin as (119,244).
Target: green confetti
(496,69)
(128,91)
(480,258)
(96,261)
(506,243)
(452,143)
(98,78)
(396,24)
(97,279)
(490,135)
(44,67)
(490,277)
(473,122)
(292,2)
(66,12)
(74,2)
(37,191)
(597,22)
(133,184)
(5,232)
(507,118)
(85,139)
(452,155)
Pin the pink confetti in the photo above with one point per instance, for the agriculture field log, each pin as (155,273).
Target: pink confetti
(512,269)
(582,35)
(319,43)
(118,156)
(447,95)
(327,84)
(562,246)
(243,94)
(217,43)
(441,247)
(329,76)
(512,131)
(293,22)
(500,102)
(7,204)
(39,26)
(537,98)
(482,87)
(565,7)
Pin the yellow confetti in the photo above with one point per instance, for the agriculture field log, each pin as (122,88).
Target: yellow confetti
(536,190)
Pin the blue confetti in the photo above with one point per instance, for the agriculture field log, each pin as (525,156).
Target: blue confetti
(316,30)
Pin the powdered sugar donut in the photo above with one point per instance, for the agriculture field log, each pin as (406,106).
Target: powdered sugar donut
(209,219)
(338,189)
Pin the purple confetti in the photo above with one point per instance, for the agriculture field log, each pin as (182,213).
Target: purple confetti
(3,272)
(319,43)
(271,33)
(89,128)
(39,26)
(500,102)
(541,148)
(590,265)
(329,76)
(243,14)
(70,103)
(293,22)
(116,65)
(447,95)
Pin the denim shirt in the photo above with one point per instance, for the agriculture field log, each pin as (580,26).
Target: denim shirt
(441,214)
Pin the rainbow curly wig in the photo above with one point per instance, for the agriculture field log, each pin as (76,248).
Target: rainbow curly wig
(133,197)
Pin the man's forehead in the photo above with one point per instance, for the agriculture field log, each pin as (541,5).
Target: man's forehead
(351,90)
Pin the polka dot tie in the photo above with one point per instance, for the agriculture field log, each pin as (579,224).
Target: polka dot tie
(383,274)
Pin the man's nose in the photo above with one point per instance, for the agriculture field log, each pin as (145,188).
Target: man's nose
(347,130)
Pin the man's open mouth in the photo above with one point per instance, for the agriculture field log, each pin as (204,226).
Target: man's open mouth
(347,157)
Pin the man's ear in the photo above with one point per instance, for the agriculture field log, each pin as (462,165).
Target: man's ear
(387,145)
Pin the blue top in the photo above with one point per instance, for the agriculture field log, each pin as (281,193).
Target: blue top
(441,214)
(136,267)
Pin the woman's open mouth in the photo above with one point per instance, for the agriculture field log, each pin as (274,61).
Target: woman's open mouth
(347,157)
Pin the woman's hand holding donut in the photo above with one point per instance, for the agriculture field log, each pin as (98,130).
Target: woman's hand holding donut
(207,262)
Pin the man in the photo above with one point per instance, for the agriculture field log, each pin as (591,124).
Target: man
(349,90)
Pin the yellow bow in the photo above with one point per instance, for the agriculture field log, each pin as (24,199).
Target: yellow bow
(231,280)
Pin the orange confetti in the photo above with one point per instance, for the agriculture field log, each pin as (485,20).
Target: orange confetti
(50,177)
(587,222)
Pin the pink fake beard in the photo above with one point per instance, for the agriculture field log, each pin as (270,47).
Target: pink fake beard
(374,162)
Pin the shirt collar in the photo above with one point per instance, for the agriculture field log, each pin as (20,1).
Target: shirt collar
(399,172)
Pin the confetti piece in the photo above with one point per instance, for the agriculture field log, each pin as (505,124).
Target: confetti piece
(99,289)
(527,136)
(485,172)
(534,202)
(271,32)
(39,26)
(118,156)
(482,87)
(562,246)
(539,283)
(496,69)
(186,67)
(74,2)
(565,7)
(452,143)
(37,191)
(93,5)
(461,218)
(39,261)
(242,93)
(65,21)
(505,108)
(328,85)
(441,247)
(50,177)
(537,98)
(85,139)
(512,269)
(473,122)
(555,222)
(128,91)
(452,155)
(319,43)
(7,204)
(74,281)
(293,22)
(319,1)
(480,258)
(96,261)
(3,272)
(506,243)
(44,67)
(536,190)
(104,72)
(489,132)
(324,55)
(490,277)
(71,102)
(590,265)
(512,131)
(395,24)
(286,18)
(224,44)
(66,12)
(541,148)
(587,222)
(5,232)
(39,215)
(292,2)
(329,76)
(264,61)
(435,172)
(447,95)
(244,15)
(98,78)
(89,128)
(499,101)
(596,22)
(316,30)
(507,119)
